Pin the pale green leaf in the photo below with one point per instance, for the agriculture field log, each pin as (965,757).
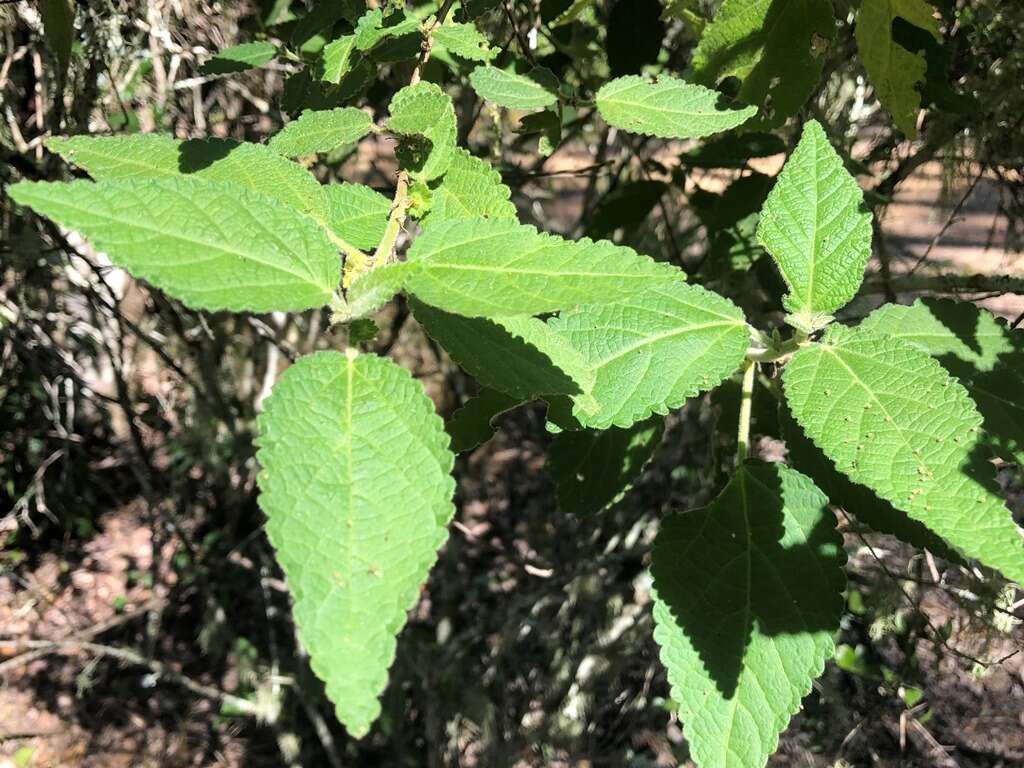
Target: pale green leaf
(424,110)
(518,356)
(774,48)
(472,425)
(651,352)
(470,189)
(463,40)
(492,268)
(239,58)
(152,156)
(356,488)
(891,418)
(668,107)
(981,351)
(210,244)
(748,597)
(894,71)
(321,130)
(336,59)
(817,228)
(357,214)
(593,469)
(538,88)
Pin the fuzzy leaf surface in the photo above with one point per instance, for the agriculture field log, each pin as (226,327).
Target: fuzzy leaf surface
(593,469)
(519,356)
(152,156)
(357,214)
(894,71)
(891,418)
(486,268)
(534,90)
(667,107)
(356,487)
(423,111)
(336,59)
(471,189)
(463,40)
(979,350)
(816,228)
(321,130)
(748,596)
(775,49)
(651,352)
(210,244)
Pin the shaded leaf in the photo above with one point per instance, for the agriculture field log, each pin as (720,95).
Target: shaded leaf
(426,114)
(472,425)
(239,58)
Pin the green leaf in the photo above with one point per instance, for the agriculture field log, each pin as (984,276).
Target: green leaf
(239,58)
(817,228)
(979,350)
(472,425)
(325,14)
(58,17)
(667,107)
(519,356)
(593,469)
(775,48)
(733,150)
(336,59)
(856,499)
(538,88)
(648,354)
(471,189)
(892,419)
(894,71)
(321,131)
(486,268)
(357,214)
(548,124)
(373,27)
(210,244)
(748,596)
(356,488)
(152,156)
(463,40)
(424,110)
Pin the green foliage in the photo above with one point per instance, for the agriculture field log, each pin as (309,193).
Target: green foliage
(814,225)
(980,351)
(464,40)
(894,71)
(892,418)
(748,598)
(774,48)
(538,88)
(471,189)
(483,268)
(321,131)
(356,489)
(213,245)
(895,421)
(649,354)
(425,113)
(668,108)
(593,469)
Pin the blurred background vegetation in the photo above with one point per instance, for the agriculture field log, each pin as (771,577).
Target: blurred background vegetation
(142,618)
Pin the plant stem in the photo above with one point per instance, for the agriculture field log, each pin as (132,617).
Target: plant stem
(746,405)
